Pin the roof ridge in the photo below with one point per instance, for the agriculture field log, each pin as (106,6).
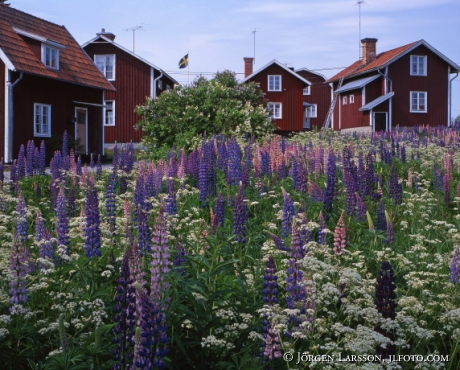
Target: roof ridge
(33,16)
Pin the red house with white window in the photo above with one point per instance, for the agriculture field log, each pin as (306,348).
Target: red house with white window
(406,86)
(298,100)
(49,86)
(135,80)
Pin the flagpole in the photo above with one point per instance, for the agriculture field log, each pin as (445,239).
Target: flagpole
(188,68)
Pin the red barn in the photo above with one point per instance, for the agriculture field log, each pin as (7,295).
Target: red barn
(135,80)
(298,100)
(406,86)
(49,86)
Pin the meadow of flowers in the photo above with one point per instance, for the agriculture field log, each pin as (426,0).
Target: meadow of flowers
(237,255)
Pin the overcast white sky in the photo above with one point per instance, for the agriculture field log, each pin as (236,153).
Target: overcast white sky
(316,34)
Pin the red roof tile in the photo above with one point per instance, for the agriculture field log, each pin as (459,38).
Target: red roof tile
(382,60)
(74,64)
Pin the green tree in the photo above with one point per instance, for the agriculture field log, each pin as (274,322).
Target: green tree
(220,105)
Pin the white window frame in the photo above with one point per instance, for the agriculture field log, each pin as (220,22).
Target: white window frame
(344,100)
(160,84)
(415,61)
(417,96)
(352,99)
(307,90)
(101,63)
(40,118)
(276,110)
(108,110)
(47,59)
(313,111)
(272,83)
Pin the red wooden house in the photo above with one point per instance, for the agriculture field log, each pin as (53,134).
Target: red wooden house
(298,100)
(49,85)
(406,86)
(135,80)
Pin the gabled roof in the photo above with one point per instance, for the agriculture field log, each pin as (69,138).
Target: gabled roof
(74,64)
(387,57)
(274,61)
(357,84)
(106,39)
(376,102)
(310,71)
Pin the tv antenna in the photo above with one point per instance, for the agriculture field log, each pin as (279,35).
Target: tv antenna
(254,33)
(359,3)
(134,29)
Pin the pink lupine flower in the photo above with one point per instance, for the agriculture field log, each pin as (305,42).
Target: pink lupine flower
(340,236)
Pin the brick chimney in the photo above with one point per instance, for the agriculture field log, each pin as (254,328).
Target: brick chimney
(108,35)
(248,66)
(369,50)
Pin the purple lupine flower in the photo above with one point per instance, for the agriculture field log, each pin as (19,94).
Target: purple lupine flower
(306,235)
(381,219)
(2,171)
(36,161)
(240,216)
(29,161)
(22,224)
(19,267)
(42,160)
(279,243)
(270,292)
(385,302)
(125,316)
(294,274)
(395,186)
(110,203)
(385,299)
(455,266)
(272,345)
(331,181)
(79,166)
(220,210)
(248,159)
(322,234)
(65,144)
(181,253)
(39,226)
(62,221)
(437,176)
(161,267)
(340,236)
(288,213)
(145,234)
(265,161)
(235,156)
(369,175)
(93,222)
(351,190)
(171,205)
(403,154)
(46,250)
(361,208)
(447,188)
(222,159)
(315,191)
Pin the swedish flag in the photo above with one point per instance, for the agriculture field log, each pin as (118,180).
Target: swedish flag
(183,62)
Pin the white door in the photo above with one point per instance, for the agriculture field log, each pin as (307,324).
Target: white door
(81,130)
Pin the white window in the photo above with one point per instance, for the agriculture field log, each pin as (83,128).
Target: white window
(418,65)
(109,113)
(42,120)
(344,100)
(274,82)
(50,56)
(352,99)
(307,90)
(312,111)
(276,110)
(160,84)
(418,101)
(106,64)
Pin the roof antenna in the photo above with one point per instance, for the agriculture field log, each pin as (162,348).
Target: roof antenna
(134,29)
(254,33)
(359,3)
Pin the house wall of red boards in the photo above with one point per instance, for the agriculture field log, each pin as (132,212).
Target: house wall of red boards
(291,97)
(320,94)
(132,81)
(61,96)
(435,83)
(2,109)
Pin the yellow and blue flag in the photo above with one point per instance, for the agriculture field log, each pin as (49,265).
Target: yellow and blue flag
(183,62)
